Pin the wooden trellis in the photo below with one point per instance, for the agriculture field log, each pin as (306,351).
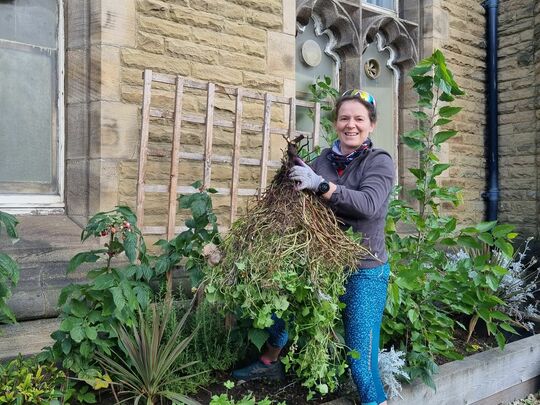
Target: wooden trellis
(208,157)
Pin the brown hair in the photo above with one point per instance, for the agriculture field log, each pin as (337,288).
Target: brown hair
(372,112)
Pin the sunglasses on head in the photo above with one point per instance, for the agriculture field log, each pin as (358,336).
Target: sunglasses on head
(361,94)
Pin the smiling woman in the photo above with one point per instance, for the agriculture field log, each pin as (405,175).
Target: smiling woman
(30,83)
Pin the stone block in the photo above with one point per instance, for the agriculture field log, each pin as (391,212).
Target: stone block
(226,9)
(76,76)
(76,187)
(116,134)
(117,23)
(289,17)
(150,42)
(154,8)
(189,17)
(242,62)
(76,131)
(265,20)
(268,6)
(76,24)
(105,73)
(166,28)
(216,74)
(281,55)
(245,31)
(254,48)
(103,182)
(160,63)
(189,51)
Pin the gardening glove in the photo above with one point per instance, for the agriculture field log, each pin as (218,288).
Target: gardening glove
(304,176)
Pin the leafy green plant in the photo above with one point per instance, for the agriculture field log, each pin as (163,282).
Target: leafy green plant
(9,270)
(149,366)
(428,290)
(26,381)
(186,247)
(113,295)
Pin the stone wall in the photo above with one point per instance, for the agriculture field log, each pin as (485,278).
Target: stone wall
(245,43)
(458,28)
(519,62)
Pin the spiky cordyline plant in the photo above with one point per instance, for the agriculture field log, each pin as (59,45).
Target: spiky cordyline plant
(147,369)
(287,256)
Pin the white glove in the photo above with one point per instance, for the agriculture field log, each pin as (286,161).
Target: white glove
(305,177)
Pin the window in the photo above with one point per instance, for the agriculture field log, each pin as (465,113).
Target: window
(383,3)
(31,105)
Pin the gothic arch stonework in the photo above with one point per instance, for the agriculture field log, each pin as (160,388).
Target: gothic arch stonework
(335,18)
(351,38)
(394,35)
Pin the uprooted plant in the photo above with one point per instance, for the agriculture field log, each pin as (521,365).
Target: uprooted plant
(287,257)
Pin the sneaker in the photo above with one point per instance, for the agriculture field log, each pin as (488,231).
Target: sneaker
(259,370)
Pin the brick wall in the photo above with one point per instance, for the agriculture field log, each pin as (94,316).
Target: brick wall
(519,49)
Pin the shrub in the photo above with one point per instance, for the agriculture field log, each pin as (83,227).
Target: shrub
(149,366)
(25,381)
(428,290)
(9,270)
(112,296)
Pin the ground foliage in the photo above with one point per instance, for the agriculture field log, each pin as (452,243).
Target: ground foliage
(287,257)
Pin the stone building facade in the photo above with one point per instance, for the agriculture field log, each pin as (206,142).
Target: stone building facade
(252,44)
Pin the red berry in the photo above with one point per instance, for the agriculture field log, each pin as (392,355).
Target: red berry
(104,233)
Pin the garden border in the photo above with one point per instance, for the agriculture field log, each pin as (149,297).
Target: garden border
(486,378)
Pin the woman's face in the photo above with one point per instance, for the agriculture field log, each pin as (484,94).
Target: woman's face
(353,125)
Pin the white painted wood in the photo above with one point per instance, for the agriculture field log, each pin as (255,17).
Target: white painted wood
(478,376)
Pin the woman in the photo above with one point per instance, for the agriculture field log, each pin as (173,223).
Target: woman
(355,179)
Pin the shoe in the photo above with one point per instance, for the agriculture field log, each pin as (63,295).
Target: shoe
(259,370)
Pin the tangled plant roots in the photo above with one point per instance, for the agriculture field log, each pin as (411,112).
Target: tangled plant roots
(287,256)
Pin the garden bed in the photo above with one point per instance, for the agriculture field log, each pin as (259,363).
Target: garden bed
(490,377)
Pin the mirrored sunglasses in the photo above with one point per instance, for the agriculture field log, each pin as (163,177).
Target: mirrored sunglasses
(361,94)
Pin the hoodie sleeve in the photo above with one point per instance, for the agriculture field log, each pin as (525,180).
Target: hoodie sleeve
(365,193)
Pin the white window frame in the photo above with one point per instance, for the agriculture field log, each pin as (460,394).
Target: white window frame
(382,10)
(44,203)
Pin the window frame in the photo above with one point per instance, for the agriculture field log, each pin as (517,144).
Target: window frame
(20,203)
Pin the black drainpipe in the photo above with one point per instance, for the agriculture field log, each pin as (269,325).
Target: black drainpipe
(492,194)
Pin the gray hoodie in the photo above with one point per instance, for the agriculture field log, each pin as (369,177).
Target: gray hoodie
(361,198)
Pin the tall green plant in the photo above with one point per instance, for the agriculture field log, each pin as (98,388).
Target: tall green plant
(429,292)
(113,295)
(9,270)
(149,366)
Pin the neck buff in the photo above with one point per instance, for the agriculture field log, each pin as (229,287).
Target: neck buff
(340,161)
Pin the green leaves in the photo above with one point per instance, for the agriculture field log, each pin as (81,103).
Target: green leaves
(258,337)
(9,222)
(448,111)
(84,257)
(443,136)
(9,270)
(432,285)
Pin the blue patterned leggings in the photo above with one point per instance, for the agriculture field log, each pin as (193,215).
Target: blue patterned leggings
(365,298)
